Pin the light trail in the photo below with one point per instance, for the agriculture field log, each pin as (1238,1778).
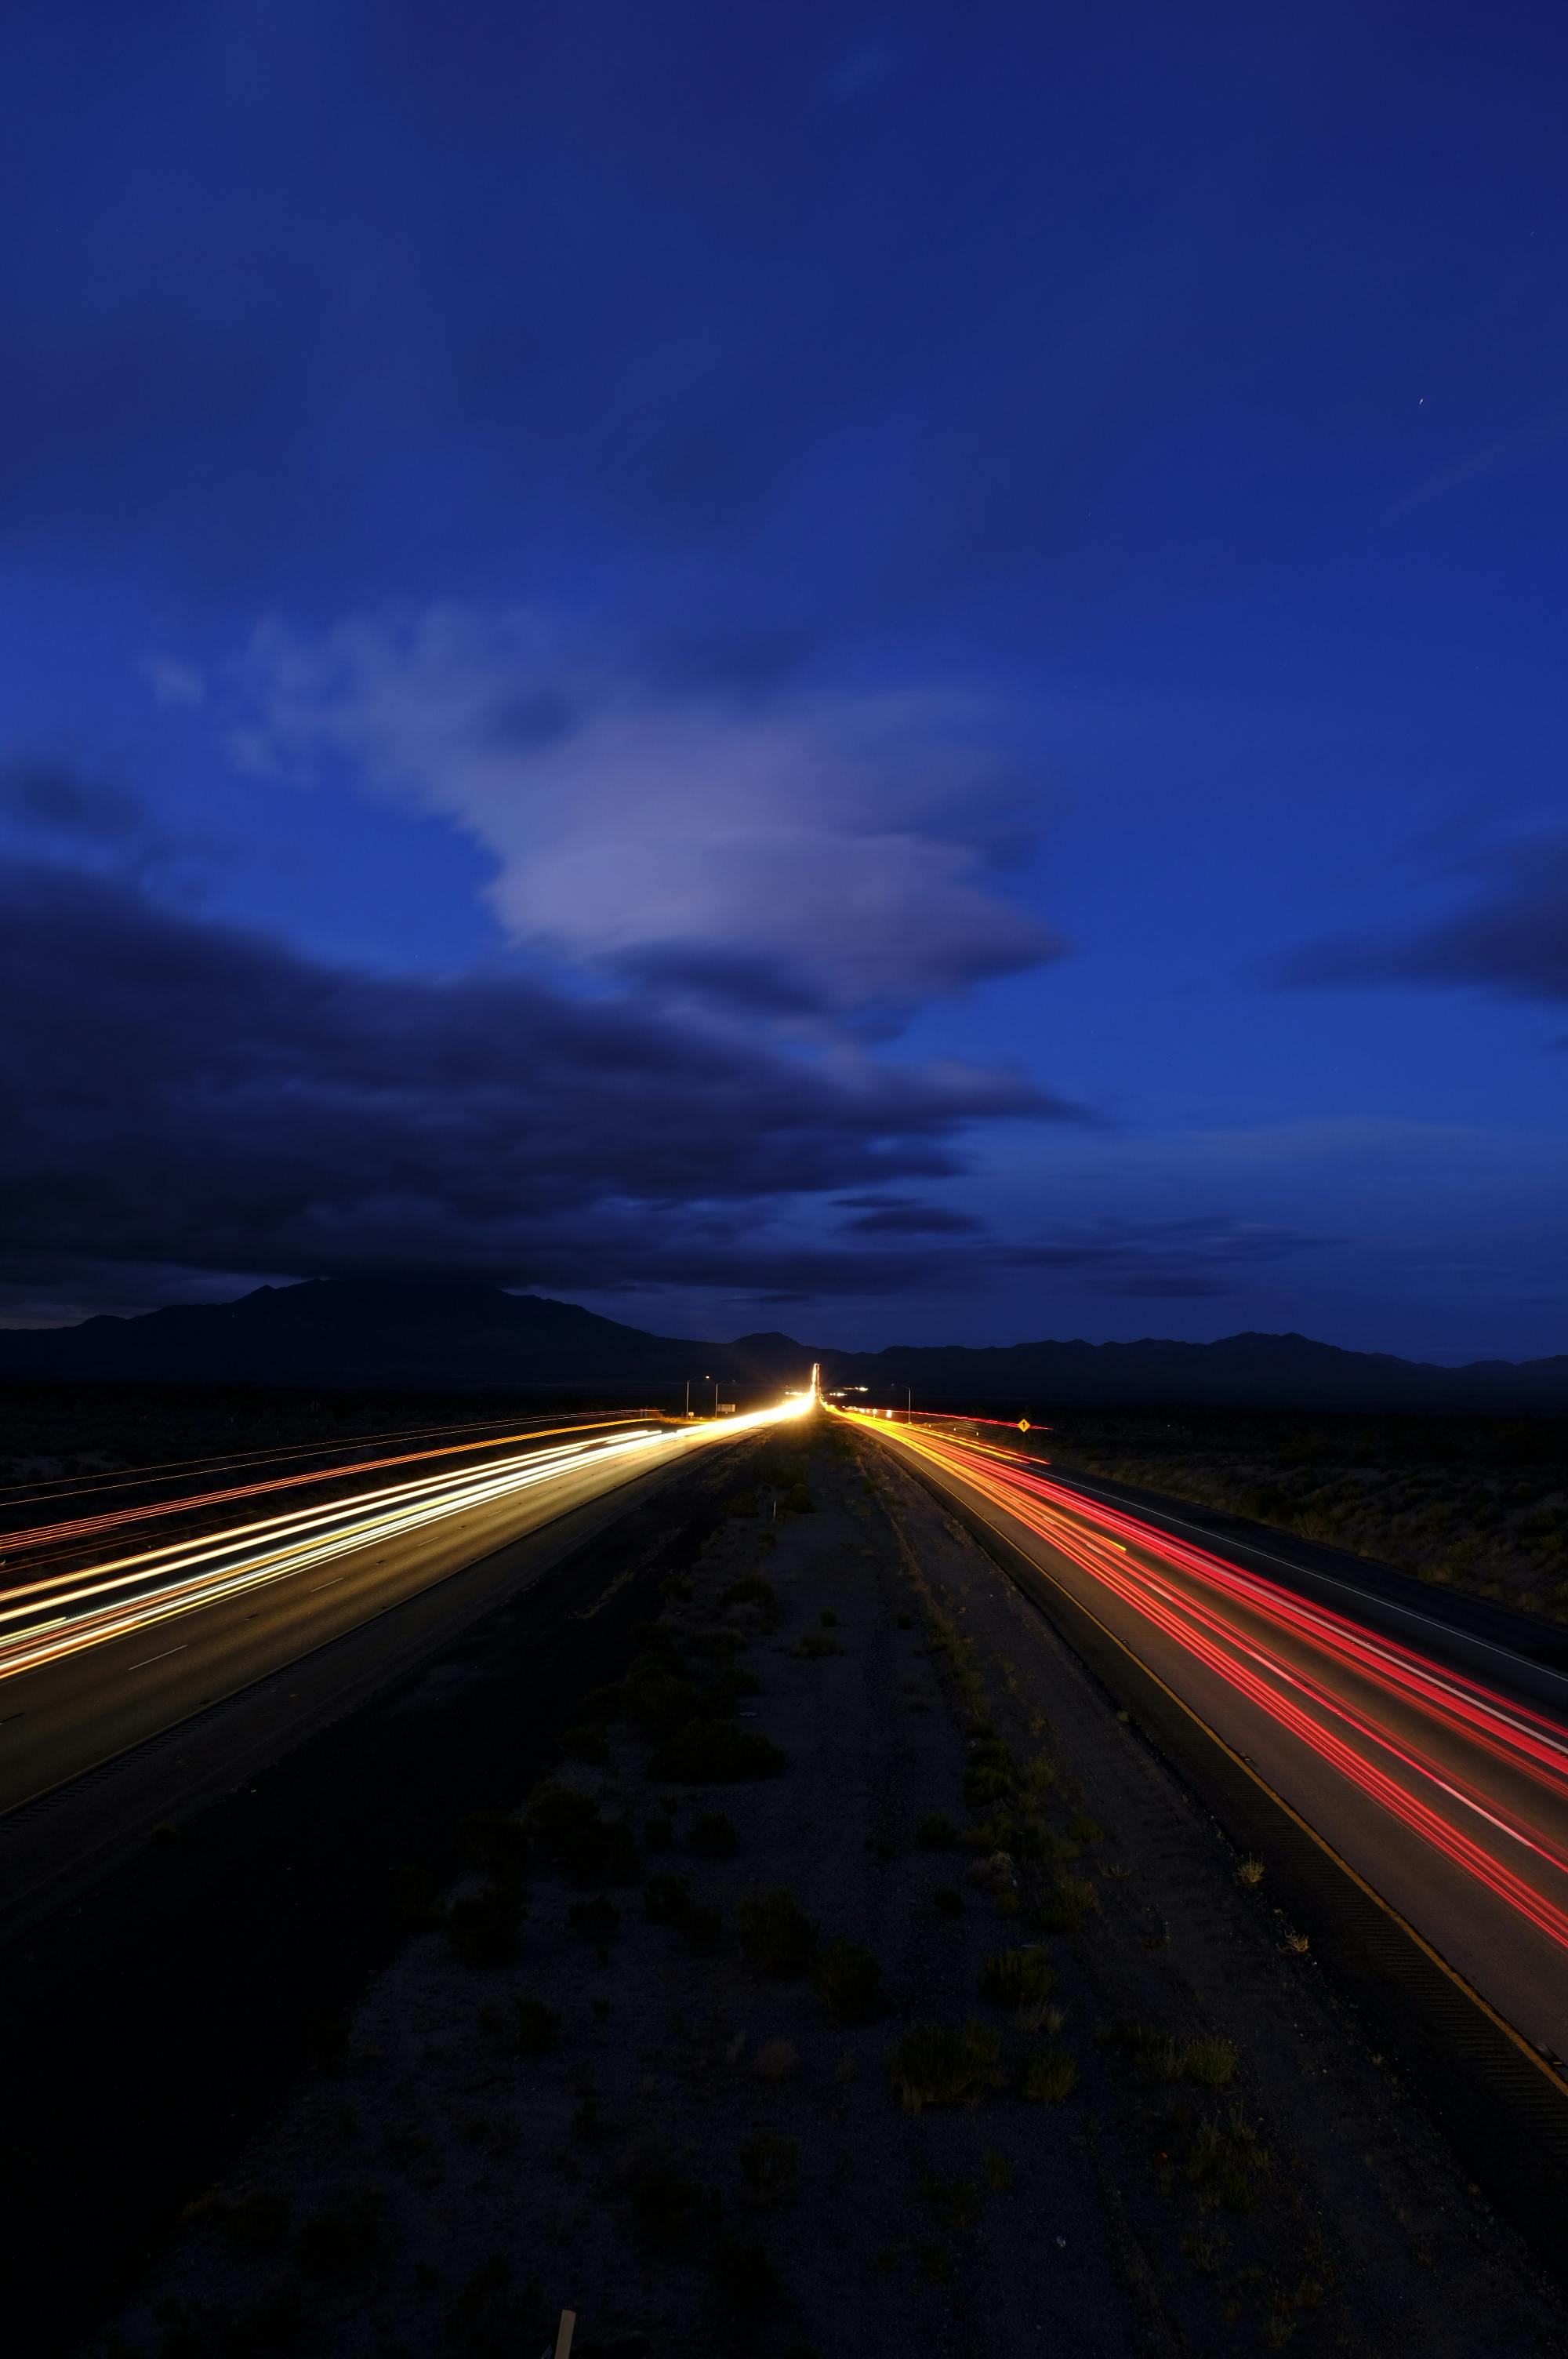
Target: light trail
(1477,1777)
(65,1613)
(82,1526)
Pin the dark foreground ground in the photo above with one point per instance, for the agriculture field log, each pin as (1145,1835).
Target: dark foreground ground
(858,1983)
(150,2026)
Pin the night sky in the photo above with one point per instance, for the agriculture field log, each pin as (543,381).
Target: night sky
(893,674)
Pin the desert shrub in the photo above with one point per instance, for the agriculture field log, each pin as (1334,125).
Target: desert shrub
(560,1817)
(847,1980)
(666,1899)
(1081,1828)
(1058,1905)
(935,1833)
(1226,2165)
(342,2245)
(829,1619)
(670,2211)
(658,1832)
(263,2329)
(568,1830)
(1208,2060)
(731,1681)
(492,2318)
(716,1753)
(585,1744)
(985,1783)
(752,1590)
(768,2166)
(596,1920)
(482,1929)
(498,1843)
(713,1836)
(775,2059)
(999,1833)
(657,1698)
(776,1934)
(938,2065)
(1017,1978)
(947,1902)
(526,2027)
(815,1644)
(717,1646)
(1049,2076)
(1204,2059)
(702,1929)
(744,2281)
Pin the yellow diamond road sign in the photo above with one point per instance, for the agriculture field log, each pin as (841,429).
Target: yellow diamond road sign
(1024,1425)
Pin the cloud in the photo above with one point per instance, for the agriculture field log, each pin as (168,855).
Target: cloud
(206,1100)
(174,684)
(1507,453)
(1161,1260)
(1513,939)
(41,798)
(837,857)
(913,1221)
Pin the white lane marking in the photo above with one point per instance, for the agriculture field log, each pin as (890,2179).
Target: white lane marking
(157,1658)
(326,1584)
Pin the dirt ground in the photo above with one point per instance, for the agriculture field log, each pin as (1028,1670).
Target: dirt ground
(617,2073)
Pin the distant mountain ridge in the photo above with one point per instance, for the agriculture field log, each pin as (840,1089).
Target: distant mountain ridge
(438,1333)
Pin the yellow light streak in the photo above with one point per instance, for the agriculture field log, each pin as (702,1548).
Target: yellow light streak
(181,1577)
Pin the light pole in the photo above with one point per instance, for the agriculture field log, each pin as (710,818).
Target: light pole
(689,1395)
(909,1404)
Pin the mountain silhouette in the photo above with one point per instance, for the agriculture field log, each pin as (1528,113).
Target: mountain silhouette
(438,1332)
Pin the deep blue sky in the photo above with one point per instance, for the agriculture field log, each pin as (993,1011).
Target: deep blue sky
(898,674)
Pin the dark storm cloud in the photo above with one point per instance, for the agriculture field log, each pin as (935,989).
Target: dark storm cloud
(208,1100)
(48,799)
(1161,1260)
(1513,939)
(913,1221)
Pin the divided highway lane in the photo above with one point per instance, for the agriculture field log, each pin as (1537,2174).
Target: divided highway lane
(95,1660)
(1447,1793)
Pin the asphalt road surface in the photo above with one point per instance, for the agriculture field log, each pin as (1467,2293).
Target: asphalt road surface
(97,1659)
(1444,1790)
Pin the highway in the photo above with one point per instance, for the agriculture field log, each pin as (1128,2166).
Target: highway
(98,1656)
(1445,1791)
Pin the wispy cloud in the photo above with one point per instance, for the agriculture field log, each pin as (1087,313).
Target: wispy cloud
(1513,939)
(1508,451)
(832,856)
